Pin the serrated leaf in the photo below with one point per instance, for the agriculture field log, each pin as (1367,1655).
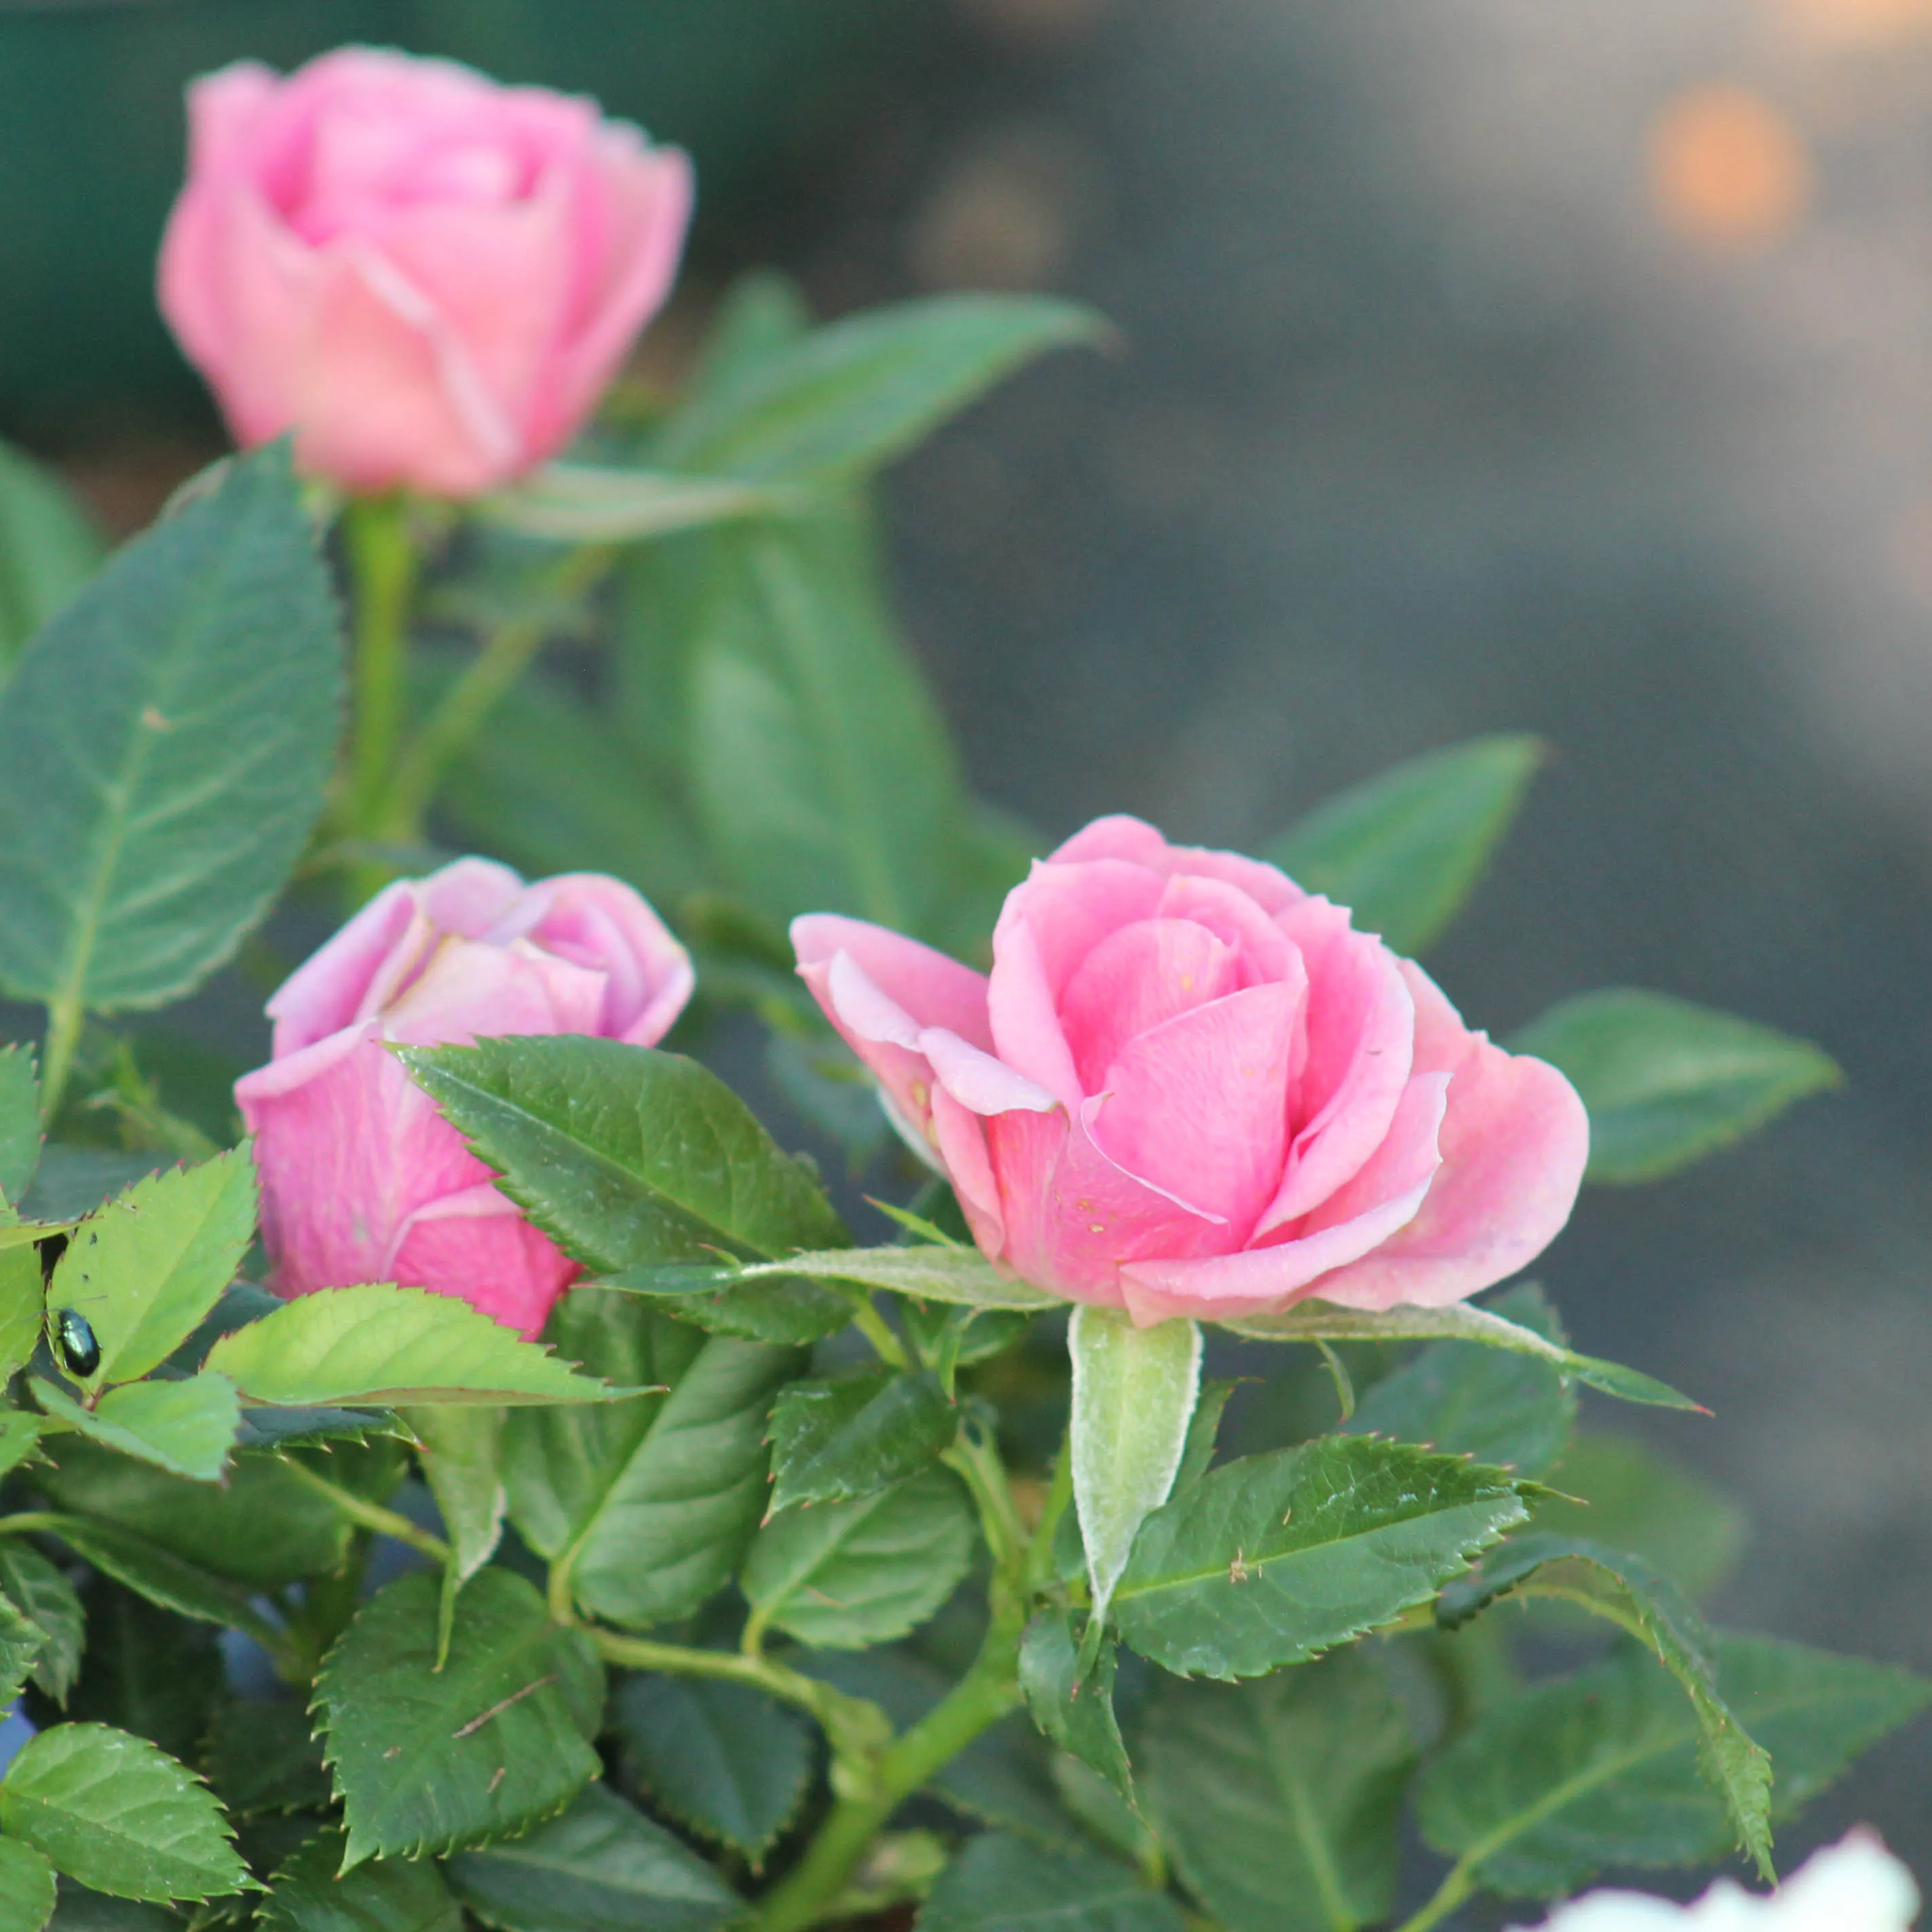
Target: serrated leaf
(1072,1707)
(72,1181)
(430,1760)
(785,1309)
(623,1155)
(1460,1322)
(603,1863)
(265,1758)
(49,549)
(147,1268)
(962,1277)
(1134,1392)
(723,1759)
(852,1435)
(164,746)
(38,1590)
(310,1892)
(389,1345)
(27,1888)
(1666,1082)
(1601,1769)
(20,1433)
(19,1123)
(22,1641)
(1002,1884)
(22,1310)
(1273,1558)
(187,1427)
(147,1671)
(844,1575)
(1513,1410)
(1405,850)
(120,1815)
(160,1576)
(1280,1797)
(81,1910)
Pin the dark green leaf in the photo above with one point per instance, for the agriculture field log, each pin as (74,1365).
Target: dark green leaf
(462,1461)
(602,1865)
(1405,850)
(723,1759)
(1197,1457)
(19,1125)
(185,1427)
(27,1888)
(81,1910)
(22,1641)
(1666,1082)
(1075,1711)
(264,1758)
(788,1310)
(159,1575)
(844,1575)
(120,1815)
(147,1670)
(23,1318)
(310,1893)
(164,749)
(856,1433)
(49,549)
(1273,1558)
(71,1181)
(1601,1768)
(429,1760)
(38,1590)
(1280,1797)
(1002,1884)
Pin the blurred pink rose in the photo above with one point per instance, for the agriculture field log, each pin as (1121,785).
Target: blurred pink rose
(1189,1088)
(362,1179)
(429,277)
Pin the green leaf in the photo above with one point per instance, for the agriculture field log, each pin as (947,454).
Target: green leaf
(850,396)
(22,1640)
(844,1575)
(1666,1082)
(160,1576)
(1075,1708)
(961,1276)
(72,1181)
(1513,1410)
(1460,1322)
(37,1590)
(19,1123)
(1134,1392)
(1405,850)
(310,1893)
(1273,1558)
(49,549)
(582,502)
(120,1815)
(27,1889)
(786,1310)
(81,1910)
(164,746)
(602,1864)
(147,1670)
(1280,1797)
(1601,1768)
(264,1758)
(20,1432)
(1002,1884)
(1197,1454)
(146,1268)
(624,1156)
(429,1760)
(186,1427)
(392,1345)
(723,1759)
(22,1318)
(461,1454)
(853,1434)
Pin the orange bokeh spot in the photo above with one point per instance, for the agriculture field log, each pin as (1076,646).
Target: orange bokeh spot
(1726,167)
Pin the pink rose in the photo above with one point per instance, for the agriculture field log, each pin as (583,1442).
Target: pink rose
(1189,1088)
(429,277)
(362,1179)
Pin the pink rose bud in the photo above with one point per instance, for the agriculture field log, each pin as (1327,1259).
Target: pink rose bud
(362,1179)
(1189,1088)
(430,278)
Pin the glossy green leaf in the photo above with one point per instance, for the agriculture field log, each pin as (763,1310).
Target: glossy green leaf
(48,549)
(23,1318)
(841,1576)
(851,1434)
(120,1815)
(185,1427)
(1601,1768)
(19,1123)
(37,1590)
(164,746)
(602,1866)
(160,1576)
(393,1346)
(1666,1082)
(623,1155)
(1513,1410)
(147,1671)
(724,1760)
(428,1760)
(310,1893)
(27,1888)
(853,395)
(962,1277)
(1273,1558)
(1405,850)
(263,1758)
(147,1268)
(1280,1797)
(1075,1708)
(1134,1392)
(1002,1884)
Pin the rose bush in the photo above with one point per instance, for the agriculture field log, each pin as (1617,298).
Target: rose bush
(1190,1088)
(361,1179)
(430,278)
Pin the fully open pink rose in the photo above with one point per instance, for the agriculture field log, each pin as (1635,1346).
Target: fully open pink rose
(362,1179)
(429,277)
(1190,1088)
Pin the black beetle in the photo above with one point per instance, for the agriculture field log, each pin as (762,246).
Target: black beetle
(78,1346)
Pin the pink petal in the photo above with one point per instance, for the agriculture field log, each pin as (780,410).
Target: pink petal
(978,1081)
(602,922)
(882,1034)
(474,1246)
(323,995)
(1135,978)
(1122,837)
(469,990)
(931,988)
(1026,1028)
(959,1138)
(1234,918)
(469,895)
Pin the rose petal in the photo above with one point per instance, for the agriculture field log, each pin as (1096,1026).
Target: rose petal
(474,1246)
(1135,979)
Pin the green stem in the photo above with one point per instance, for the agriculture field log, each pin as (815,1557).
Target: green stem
(1039,1576)
(382,568)
(1454,1890)
(873,1326)
(976,1457)
(370,1516)
(65,1016)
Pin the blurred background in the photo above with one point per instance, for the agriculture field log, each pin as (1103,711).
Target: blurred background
(1488,365)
